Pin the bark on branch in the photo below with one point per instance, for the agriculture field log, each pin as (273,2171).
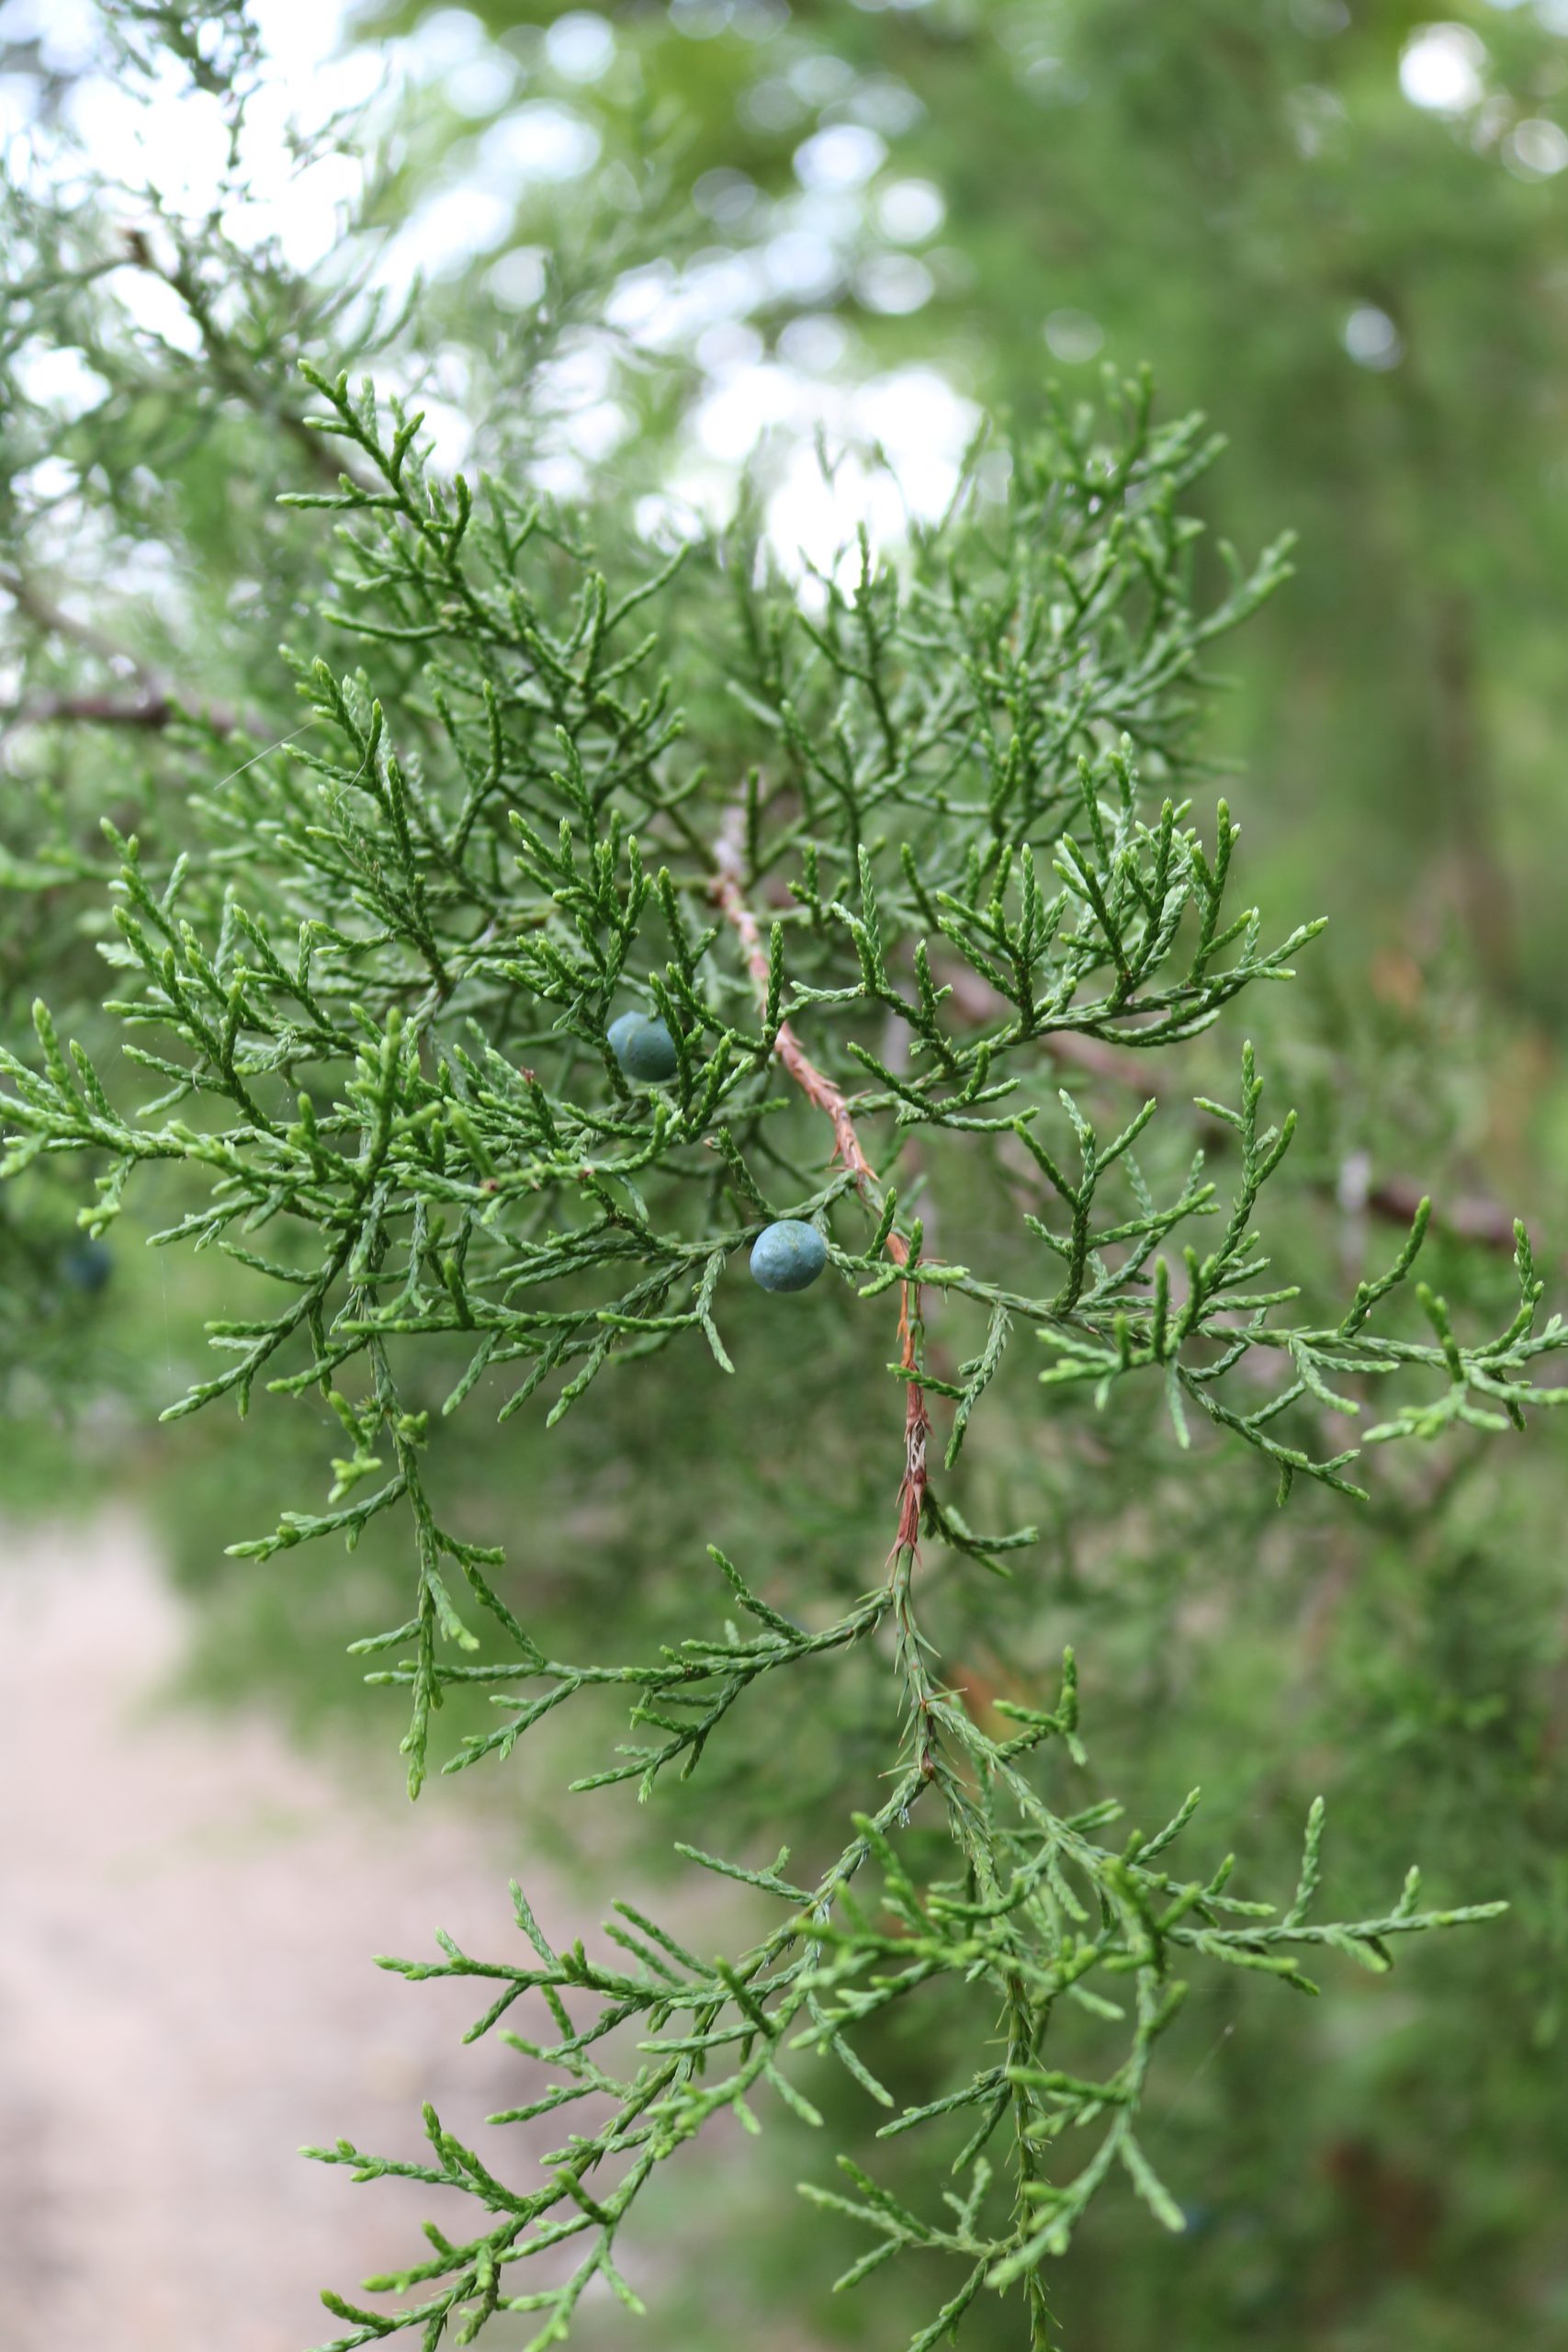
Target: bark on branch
(728,892)
(156,702)
(1470,1217)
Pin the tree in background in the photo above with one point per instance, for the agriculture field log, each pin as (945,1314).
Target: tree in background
(1427,1674)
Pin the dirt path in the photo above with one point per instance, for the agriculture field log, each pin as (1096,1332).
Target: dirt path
(186,1915)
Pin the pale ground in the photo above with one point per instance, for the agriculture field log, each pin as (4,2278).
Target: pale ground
(187,1912)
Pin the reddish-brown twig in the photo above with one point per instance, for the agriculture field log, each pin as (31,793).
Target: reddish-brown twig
(1470,1216)
(728,893)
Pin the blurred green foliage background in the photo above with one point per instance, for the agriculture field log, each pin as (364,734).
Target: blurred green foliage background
(1341,228)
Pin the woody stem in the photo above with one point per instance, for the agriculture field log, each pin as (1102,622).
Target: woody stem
(728,893)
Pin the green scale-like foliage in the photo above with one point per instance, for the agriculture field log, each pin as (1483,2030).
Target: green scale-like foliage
(877,855)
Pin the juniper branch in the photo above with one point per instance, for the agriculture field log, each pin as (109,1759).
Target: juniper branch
(379,996)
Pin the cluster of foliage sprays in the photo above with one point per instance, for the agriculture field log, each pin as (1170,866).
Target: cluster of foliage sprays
(495,1018)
